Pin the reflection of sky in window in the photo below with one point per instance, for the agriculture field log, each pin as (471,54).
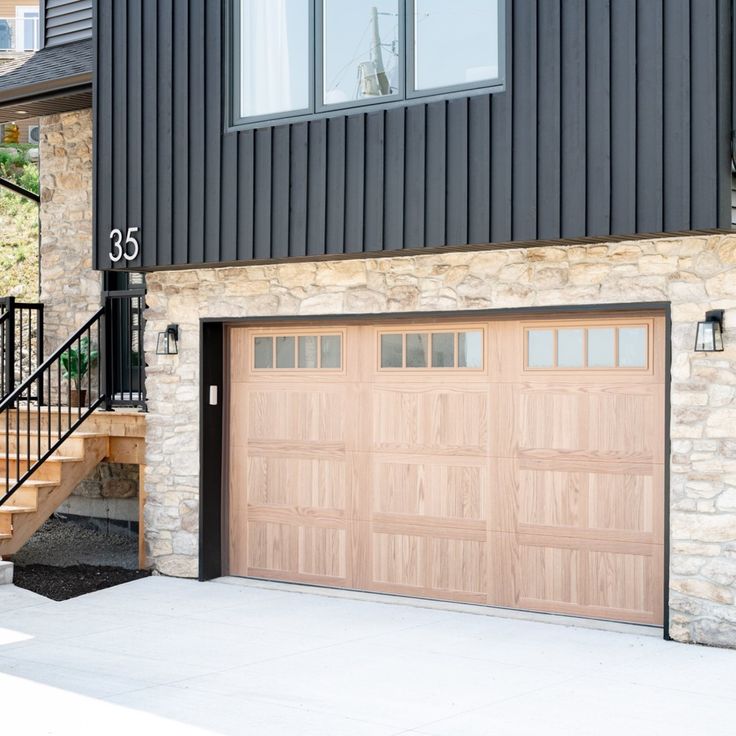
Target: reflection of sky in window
(457,42)
(348,41)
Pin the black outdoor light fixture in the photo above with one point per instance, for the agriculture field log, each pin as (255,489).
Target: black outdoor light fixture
(168,341)
(709,337)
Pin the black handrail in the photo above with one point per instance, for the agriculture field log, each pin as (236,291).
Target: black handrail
(33,446)
(21,343)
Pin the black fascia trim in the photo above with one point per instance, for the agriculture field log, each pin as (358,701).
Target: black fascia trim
(211,452)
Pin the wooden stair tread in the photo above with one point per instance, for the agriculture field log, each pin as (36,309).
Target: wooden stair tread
(53,458)
(10,509)
(27,483)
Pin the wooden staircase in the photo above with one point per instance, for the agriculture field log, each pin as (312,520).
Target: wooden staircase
(113,436)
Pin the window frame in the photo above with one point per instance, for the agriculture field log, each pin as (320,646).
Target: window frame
(317,108)
(431,329)
(482,85)
(318,54)
(586,368)
(236,69)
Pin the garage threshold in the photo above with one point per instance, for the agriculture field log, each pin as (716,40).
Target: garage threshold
(470,609)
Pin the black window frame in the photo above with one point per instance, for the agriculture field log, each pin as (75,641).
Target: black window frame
(317,108)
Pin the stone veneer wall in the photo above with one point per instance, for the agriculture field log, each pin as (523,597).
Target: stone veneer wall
(693,273)
(70,289)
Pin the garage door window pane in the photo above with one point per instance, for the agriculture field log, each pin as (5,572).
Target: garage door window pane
(392,351)
(632,347)
(443,350)
(331,351)
(416,350)
(284,352)
(470,349)
(263,352)
(541,348)
(601,347)
(570,345)
(308,351)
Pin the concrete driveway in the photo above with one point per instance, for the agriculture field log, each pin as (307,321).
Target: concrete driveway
(163,656)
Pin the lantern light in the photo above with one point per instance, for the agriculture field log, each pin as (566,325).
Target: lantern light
(709,335)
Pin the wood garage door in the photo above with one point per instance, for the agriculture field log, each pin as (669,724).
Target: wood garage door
(506,462)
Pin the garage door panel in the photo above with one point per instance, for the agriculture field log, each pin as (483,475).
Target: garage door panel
(551,421)
(312,414)
(290,481)
(430,566)
(399,559)
(552,498)
(323,552)
(272,547)
(446,489)
(547,575)
(594,579)
(624,411)
(457,565)
(621,582)
(289,551)
(418,419)
(573,499)
(623,502)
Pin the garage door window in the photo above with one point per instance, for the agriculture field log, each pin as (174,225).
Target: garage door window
(297,352)
(570,348)
(428,350)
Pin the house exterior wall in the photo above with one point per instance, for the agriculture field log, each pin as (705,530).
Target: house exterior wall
(693,273)
(70,289)
(614,120)
(66,21)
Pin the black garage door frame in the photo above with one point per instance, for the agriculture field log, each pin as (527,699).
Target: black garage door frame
(213,415)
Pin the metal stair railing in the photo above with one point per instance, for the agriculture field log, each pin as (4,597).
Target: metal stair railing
(56,387)
(21,343)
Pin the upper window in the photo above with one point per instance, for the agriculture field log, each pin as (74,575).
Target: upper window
(295,58)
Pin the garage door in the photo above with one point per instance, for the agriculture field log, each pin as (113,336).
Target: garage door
(509,463)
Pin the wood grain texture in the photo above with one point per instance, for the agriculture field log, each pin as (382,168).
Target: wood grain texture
(500,485)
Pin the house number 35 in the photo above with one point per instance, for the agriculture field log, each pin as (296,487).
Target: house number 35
(128,249)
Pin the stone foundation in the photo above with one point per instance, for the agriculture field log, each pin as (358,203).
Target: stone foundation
(694,274)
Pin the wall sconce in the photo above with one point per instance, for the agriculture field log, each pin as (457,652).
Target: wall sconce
(709,337)
(168,341)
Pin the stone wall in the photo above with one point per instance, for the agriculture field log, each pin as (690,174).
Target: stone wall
(694,274)
(71,290)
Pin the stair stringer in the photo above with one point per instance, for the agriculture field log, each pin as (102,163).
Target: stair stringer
(95,450)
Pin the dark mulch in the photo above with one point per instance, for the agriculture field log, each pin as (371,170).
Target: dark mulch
(61,583)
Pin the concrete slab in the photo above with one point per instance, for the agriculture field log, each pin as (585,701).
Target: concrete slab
(170,656)
(6,572)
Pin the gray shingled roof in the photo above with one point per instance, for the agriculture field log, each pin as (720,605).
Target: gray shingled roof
(52,80)
(19,77)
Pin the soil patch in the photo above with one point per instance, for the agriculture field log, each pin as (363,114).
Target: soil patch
(65,543)
(62,583)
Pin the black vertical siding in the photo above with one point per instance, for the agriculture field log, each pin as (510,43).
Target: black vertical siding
(615,119)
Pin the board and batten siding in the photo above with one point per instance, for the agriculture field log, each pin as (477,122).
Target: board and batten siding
(66,21)
(615,120)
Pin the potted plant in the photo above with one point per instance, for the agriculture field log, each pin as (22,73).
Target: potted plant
(75,363)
